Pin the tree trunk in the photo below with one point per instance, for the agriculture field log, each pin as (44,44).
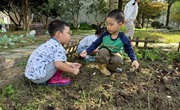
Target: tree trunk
(25,13)
(8,14)
(147,23)
(120,4)
(142,22)
(168,13)
(111,5)
(77,25)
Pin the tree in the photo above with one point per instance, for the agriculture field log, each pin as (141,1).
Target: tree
(8,8)
(98,8)
(111,5)
(169,2)
(120,4)
(24,5)
(152,10)
(50,9)
(20,9)
(175,12)
(70,10)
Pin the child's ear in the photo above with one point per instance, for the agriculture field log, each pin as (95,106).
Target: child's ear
(120,24)
(58,33)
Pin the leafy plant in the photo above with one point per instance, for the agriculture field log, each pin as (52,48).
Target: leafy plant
(125,56)
(153,57)
(84,99)
(8,91)
(18,39)
(31,35)
(138,55)
(170,56)
(5,41)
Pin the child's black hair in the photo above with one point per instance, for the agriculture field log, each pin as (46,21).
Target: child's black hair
(57,25)
(117,14)
(100,30)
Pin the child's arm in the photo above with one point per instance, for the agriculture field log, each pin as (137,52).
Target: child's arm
(95,51)
(66,68)
(74,65)
(129,51)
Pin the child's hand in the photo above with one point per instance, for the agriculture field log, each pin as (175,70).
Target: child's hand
(135,63)
(76,71)
(83,54)
(75,65)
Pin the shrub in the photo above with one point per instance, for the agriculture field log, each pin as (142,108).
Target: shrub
(123,29)
(155,24)
(82,27)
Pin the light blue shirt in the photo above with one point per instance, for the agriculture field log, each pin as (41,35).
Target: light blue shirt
(87,41)
(50,51)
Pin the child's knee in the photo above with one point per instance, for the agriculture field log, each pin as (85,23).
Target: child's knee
(103,51)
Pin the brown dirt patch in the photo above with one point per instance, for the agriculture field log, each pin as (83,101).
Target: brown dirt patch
(155,86)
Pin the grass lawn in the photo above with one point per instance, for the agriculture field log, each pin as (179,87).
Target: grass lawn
(165,37)
(144,29)
(172,36)
(74,32)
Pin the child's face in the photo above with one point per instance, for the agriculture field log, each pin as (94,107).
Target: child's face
(112,25)
(65,38)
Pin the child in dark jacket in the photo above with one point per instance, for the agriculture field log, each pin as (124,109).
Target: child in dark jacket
(112,42)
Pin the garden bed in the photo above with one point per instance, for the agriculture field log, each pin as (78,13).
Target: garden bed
(155,86)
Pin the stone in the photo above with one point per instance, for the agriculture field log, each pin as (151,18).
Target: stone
(2,59)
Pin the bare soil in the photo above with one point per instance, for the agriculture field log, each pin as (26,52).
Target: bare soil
(155,86)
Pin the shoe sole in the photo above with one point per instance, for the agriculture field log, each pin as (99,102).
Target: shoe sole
(59,84)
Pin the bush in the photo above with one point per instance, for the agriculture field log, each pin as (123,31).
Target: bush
(155,24)
(82,27)
(161,25)
(123,29)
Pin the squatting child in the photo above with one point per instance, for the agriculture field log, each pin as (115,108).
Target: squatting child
(47,62)
(112,42)
(88,40)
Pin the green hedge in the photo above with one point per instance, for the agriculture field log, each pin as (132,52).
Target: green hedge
(82,27)
(155,24)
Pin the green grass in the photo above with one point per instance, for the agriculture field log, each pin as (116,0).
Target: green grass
(144,29)
(168,37)
(74,32)
(15,33)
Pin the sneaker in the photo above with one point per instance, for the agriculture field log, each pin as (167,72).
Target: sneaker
(45,83)
(118,70)
(89,58)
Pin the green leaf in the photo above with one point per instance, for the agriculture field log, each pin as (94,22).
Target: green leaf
(5,47)
(21,36)
(11,43)
(24,41)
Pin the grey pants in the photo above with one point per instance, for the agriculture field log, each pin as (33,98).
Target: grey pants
(50,71)
(113,60)
(129,29)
